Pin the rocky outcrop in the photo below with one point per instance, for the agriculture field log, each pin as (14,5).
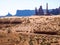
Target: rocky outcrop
(33,30)
(35,24)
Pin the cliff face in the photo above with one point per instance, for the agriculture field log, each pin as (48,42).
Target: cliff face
(34,30)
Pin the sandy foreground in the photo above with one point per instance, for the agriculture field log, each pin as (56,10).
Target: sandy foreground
(33,30)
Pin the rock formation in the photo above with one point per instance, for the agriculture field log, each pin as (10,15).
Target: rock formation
(33,30)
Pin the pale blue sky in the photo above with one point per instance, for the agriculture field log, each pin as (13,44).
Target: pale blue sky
(12,5)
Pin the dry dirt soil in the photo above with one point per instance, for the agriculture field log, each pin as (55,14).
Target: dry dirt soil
(33,30)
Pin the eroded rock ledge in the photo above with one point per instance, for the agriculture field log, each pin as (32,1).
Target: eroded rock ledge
(33,24)
(33,30)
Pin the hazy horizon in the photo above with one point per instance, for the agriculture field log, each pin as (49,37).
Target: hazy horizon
(12,5)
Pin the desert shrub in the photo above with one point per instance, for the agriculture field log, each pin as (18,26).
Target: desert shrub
(30,42)
(9,31)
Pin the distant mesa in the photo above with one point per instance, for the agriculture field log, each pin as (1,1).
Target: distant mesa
(47,11)
(25,12)
(40,11)
(9,14)
(55,11)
